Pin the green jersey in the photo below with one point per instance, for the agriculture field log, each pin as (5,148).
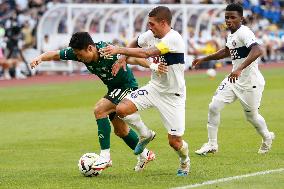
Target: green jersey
(103,67)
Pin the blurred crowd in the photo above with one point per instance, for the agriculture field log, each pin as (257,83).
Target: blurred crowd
(19,19)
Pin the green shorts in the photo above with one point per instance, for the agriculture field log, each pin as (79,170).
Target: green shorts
(116,95)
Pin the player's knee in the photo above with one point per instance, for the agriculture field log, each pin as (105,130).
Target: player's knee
(99,112)
(122,110)
(214,107)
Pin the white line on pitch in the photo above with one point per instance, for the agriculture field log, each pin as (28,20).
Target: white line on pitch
(229,179)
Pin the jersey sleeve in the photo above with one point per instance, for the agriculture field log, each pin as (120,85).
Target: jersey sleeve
(247,37)
(143,38)
(170,43)
(67,54)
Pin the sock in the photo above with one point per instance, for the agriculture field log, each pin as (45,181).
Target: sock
(134,120)
(105,153)
(183,152)
(214,120)
(259,123)
(131,139)
(104,130)
(212,134)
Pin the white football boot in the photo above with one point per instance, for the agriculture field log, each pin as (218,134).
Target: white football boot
(102,163)
(207,148)
(266,144)
(143,160)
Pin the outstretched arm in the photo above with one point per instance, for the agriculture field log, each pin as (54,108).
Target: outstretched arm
(160,68)
(135,52)
(222,53)
(254,53)
(47,56)
(121,62)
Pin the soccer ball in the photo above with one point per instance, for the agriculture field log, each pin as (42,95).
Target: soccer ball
(211,72)
(85,165)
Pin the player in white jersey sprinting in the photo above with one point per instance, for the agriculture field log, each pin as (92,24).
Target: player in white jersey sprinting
(245,82)
(165,91)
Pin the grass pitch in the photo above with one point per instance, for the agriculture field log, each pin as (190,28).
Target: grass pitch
(44,129)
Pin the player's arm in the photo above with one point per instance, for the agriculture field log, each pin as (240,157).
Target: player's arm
(121,62)
(255,52)
(160,68)
(220,54)
(47,56)
(158,49)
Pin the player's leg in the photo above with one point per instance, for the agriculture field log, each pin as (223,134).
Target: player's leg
(172,112)
(250,101)
(181,147)
(102,109)
(127,110)
(224,95)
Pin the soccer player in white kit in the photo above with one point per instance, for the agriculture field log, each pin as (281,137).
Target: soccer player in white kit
(245,82)
(165,91)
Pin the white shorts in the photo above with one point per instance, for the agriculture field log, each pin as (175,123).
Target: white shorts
(250,98)
(171,107)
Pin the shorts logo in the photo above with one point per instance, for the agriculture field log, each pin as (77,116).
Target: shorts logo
(140,92)
(134,95)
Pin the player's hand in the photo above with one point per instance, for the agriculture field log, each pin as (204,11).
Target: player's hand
(196,62)
(35,62)
(109,50)
(120,63)
(162,68)
(234,75)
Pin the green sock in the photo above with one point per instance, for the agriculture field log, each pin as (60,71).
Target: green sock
(104,130)
(131,139)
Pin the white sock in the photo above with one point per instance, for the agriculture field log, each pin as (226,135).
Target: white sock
(212,134)
(259,123)
(183,152)
(134,120)
(105,153)
(215,108)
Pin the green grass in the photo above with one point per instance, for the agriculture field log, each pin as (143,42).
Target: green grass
(44,129)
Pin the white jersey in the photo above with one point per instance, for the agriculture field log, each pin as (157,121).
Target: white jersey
(172,49)
(239,44)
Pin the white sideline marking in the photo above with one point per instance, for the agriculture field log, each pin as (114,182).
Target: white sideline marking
(209,182)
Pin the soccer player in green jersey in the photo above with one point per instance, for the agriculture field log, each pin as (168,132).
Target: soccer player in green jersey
(82,48)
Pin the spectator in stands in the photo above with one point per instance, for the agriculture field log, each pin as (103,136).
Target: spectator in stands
(8,64)
(47,45)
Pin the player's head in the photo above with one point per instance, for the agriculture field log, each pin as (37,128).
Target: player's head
(160,20)
(83,46)
(234,16)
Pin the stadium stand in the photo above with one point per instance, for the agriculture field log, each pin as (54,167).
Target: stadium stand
(201,25)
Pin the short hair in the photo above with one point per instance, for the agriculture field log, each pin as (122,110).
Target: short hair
(161,13)
(81,40)
(235,7)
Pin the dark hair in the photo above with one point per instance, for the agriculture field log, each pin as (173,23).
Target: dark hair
(161,13)
(81,40)
(235,7)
